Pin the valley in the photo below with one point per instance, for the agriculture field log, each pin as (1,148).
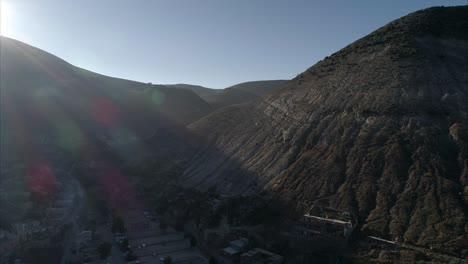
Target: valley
(361,158)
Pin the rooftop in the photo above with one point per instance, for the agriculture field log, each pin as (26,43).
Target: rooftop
(262,255)
(185,255)
(162,248)
(239,243)
(157,240)
(231,251)
(382,240)
(336,221)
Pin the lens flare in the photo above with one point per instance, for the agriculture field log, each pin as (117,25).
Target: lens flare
(5,18)
(158,97)
(105,112)
(69,136)
(41,180)
(116,188)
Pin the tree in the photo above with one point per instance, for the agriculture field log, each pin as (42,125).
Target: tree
(179,226)
(163,226)
(193,241)
(167,260)
(123,244)
(102,208)
(104,250)
(118,225)
(130,256)
(163,205)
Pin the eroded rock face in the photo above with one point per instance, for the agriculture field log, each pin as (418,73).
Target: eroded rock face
(375,128)
(459,132)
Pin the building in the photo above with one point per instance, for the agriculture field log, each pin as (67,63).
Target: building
(85,236)
(6,236)
(231,253)
(380,242)
(321,228)
(185,256)
(27,227)
(235,249)
(148,241)
(162,248)
(239,244)
(260,256)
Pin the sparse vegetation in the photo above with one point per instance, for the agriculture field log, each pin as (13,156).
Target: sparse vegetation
(118,225)
(104,250)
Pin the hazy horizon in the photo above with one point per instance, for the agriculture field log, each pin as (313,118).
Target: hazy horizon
(211,43)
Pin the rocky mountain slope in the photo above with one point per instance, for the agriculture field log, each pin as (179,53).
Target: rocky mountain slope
(379,127)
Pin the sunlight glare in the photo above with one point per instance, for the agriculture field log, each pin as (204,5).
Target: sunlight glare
(5,13)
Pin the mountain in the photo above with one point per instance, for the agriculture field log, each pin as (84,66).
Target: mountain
(242,92)
(259,88)
(35,72)
(200,90)
(379,128)
(53,115)
(236,94)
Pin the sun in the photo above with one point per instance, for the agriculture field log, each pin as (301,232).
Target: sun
(5,16)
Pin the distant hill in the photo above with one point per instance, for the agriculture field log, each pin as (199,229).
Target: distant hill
(200,90)
(53,114)
(236,94)
(33,71)
(259,88)
(379,128)
(242,92)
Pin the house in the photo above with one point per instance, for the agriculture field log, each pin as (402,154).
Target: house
(239,244)
(184,256)
(235,248)
(231,253)
(162,248)
(27,227)
(85,236)
(143,242)
(260,256)
(5,235)
(321,228)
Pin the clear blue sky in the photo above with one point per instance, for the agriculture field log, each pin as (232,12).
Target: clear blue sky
(214,43)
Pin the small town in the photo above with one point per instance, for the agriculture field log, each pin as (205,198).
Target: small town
(177,226)
(138,234)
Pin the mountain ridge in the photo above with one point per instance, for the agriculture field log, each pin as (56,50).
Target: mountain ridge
(235,94)
(45,69)
(367,129)
(243,92)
